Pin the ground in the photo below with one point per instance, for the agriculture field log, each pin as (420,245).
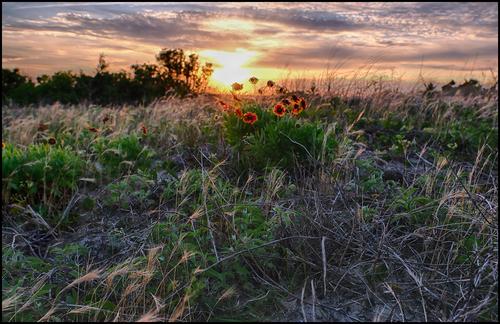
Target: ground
(381,207)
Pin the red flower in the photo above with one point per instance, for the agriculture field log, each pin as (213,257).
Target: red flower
(237,86)
(283,90)
(224,105)
(253,80)
(296,109)
(238,112)
(302,103)
(144,130)
(285,101)
(250,118)
(279,110)
(295,98)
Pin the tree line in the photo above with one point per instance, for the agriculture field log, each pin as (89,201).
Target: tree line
(175,73)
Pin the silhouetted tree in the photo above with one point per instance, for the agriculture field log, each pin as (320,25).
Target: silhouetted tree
(174,73)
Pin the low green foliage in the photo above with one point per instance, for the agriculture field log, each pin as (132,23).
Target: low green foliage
(208,219)
(272,141)
(122,154)
(134,190)
(40,175)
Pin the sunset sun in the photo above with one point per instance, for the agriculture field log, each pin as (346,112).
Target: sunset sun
(231,66)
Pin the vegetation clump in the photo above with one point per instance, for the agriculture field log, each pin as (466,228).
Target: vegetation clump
(285,206)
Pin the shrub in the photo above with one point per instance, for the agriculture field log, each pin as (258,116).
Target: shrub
(39,174)
(275,141)
(125,153)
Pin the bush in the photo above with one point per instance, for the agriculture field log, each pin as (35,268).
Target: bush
(40,174)
(276,142)
(175,73)
(122,154)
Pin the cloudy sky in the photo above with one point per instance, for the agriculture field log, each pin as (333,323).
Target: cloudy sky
(268,40)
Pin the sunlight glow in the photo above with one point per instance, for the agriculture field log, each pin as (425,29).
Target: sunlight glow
(231,25)
(231,65)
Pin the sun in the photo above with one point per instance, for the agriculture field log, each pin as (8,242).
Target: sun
(230,66)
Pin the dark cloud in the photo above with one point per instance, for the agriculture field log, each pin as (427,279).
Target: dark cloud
(447,67)
(142,27)
(451,52)
(320,56)
(300,19)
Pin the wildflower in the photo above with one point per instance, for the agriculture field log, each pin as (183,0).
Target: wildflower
(295,98)
(237,86)
(282,90)
(144,130)
(52,141)
(224,105)
(285,101)
(42,127)
(296,109)
(270,83)
(238,112)
(253,80)
(279,110)
(93,129)
(302,103)
(249,118)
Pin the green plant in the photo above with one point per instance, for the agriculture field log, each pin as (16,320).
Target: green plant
(40,175)
(133,190)
(126,153)
(371,177)
(276,142)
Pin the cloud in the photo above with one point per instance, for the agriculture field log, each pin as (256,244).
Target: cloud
(307,35)
(142,27)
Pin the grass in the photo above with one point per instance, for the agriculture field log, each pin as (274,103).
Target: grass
(378,207)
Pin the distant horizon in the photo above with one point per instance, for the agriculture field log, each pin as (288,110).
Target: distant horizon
(434,41)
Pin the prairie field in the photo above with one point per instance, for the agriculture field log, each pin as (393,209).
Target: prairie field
(250,162)
(369,204)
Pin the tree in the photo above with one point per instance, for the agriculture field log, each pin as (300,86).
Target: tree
(175,72)
(182,73)
(17,87)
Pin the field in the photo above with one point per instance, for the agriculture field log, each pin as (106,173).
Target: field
(370,206)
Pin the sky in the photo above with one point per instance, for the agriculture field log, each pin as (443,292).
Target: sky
(438,41)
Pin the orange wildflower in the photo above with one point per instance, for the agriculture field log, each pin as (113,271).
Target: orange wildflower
(249,118)
(238,112)
(270,83)
(296,109)
(237,86)
(279,110)
(253,80)
(285,101)
(302,103)
(224,105)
